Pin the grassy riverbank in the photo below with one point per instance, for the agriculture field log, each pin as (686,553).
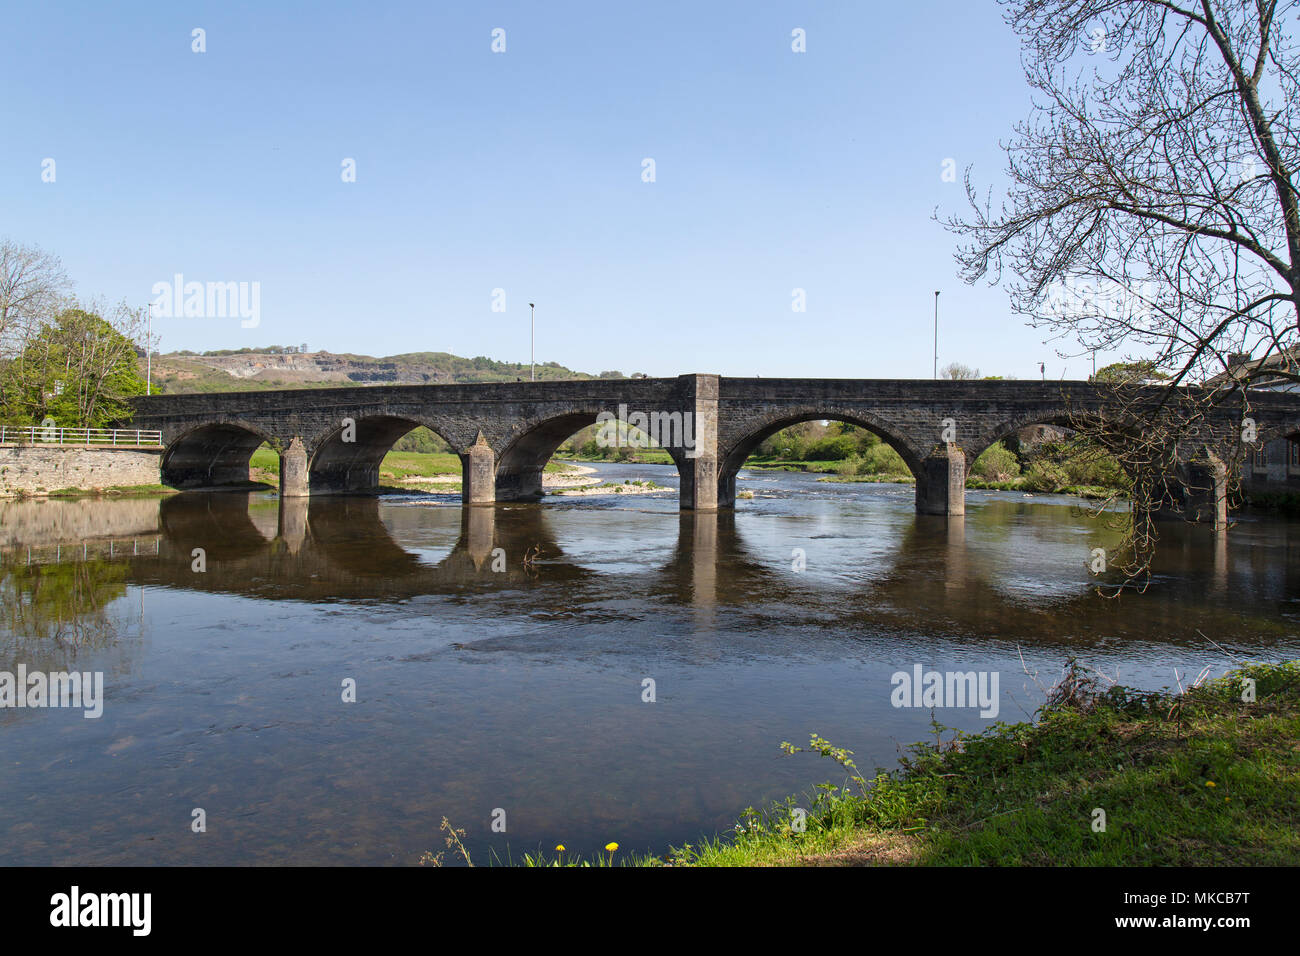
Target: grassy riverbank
(1201,778)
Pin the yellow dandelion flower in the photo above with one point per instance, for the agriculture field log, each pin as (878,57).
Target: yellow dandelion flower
(560,847)
(1209,783)
(611,847)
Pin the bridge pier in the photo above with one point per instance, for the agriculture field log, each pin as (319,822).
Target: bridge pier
(479,474)
(478,534)
(941,483)
(700,486)
(295,480)
(1196,491)
(1205,494)
(291,522)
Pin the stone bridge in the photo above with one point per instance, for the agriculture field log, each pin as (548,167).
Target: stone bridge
(332,440)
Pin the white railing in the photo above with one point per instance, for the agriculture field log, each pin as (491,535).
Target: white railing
(57,435)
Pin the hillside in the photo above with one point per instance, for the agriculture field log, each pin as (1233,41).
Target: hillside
(251,370)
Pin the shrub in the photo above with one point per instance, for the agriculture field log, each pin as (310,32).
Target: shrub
(1044,474)
(831,449)
(997,463)
(881,459)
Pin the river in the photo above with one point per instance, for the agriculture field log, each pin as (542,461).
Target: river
(503,657)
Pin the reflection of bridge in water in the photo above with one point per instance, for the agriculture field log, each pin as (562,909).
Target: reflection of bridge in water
(930,575)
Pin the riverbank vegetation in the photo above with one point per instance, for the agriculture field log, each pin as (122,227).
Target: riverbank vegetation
(1040,459)
(632,447)
(1106,776)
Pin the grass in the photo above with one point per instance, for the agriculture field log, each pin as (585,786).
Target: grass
(1201,778)
(414,464)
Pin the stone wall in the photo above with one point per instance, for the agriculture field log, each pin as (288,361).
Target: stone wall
(39,469)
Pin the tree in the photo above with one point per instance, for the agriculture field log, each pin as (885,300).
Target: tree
(1152,208)
(1153,193)
(80,370)
(1129,373)
(32,284)
(958,372)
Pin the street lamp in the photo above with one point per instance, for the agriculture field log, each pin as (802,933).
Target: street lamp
(148,350)
(532,365)
(936,333)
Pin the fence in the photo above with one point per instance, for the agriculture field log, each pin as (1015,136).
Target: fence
(57,435)
(113,549)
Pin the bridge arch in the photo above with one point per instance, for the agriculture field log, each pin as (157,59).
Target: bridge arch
(524,456)
(212,455)
(346,458)
(733,459)
(1059,417)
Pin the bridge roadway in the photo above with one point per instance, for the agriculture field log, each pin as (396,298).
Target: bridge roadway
(332,440)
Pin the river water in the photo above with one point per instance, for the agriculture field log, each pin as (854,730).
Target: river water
(501,657)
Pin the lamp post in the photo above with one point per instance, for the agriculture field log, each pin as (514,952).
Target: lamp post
(936,334)
(532,365)
(148,350)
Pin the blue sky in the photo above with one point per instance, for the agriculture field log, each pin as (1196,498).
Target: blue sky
(522,171)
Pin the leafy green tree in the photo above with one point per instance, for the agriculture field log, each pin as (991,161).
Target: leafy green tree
(1128,373)
(80,370)
(831,448)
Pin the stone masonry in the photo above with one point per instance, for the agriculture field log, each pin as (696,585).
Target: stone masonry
(39,469)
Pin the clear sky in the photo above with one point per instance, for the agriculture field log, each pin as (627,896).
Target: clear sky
(523,171)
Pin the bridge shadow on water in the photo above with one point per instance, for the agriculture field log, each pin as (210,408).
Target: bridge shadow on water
(1007,571)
